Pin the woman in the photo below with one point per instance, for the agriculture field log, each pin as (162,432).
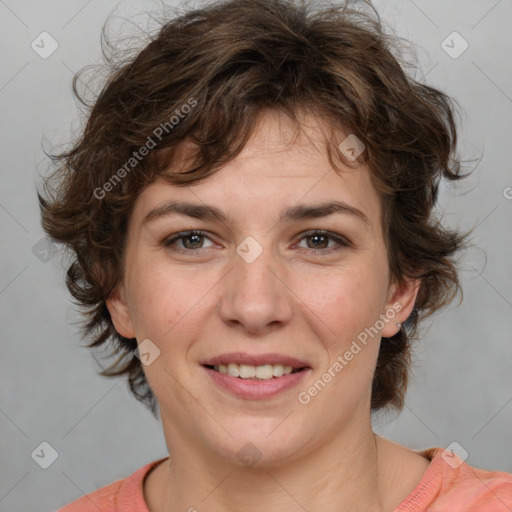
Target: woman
(250,210)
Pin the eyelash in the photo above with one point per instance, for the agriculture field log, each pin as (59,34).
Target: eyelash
(341,241)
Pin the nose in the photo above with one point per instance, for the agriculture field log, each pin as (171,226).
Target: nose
(255,295)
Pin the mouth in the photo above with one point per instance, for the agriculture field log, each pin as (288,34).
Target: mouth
(255,377)
(260,372)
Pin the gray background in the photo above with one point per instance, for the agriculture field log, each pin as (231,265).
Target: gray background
(462,384)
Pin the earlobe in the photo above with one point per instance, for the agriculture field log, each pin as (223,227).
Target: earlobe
(120,312)
(402,300)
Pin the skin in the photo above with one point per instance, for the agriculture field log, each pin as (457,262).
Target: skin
(297,298)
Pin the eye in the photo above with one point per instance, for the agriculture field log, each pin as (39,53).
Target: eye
(320,241)
(190,240)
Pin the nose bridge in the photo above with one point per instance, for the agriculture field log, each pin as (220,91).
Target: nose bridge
(253,295)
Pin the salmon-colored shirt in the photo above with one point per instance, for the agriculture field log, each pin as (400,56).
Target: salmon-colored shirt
(446,486)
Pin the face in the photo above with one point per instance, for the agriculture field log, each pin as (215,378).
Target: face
(270,277)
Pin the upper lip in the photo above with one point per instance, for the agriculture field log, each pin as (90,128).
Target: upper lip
(254,360)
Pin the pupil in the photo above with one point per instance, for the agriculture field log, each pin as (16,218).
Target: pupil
(317,237)
(197,240)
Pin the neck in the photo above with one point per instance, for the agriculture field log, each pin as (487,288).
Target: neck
(338,476)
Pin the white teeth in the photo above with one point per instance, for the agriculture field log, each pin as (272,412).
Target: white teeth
(233,370)
(264,372)
(278,370)
(246,371)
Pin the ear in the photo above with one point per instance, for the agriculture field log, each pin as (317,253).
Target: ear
(120,312)
(401,300)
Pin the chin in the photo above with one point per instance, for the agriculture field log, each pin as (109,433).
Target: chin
(261,442)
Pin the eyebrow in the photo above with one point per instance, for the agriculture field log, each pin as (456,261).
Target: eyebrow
(293,213)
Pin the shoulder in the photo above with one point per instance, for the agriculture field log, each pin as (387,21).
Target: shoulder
(482,490)
(451,484)
(124,495)
(104,498)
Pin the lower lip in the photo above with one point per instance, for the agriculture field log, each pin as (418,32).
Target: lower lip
(256,389)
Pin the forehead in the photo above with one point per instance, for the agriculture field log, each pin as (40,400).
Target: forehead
(279,165)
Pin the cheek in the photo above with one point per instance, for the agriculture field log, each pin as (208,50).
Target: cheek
(169,303)
(347,300)
(158,300)
(349,303)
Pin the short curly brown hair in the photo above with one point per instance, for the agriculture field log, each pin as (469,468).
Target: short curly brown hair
(204,78)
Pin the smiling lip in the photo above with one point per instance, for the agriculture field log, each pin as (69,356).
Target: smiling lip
(256,389)
(255,360)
